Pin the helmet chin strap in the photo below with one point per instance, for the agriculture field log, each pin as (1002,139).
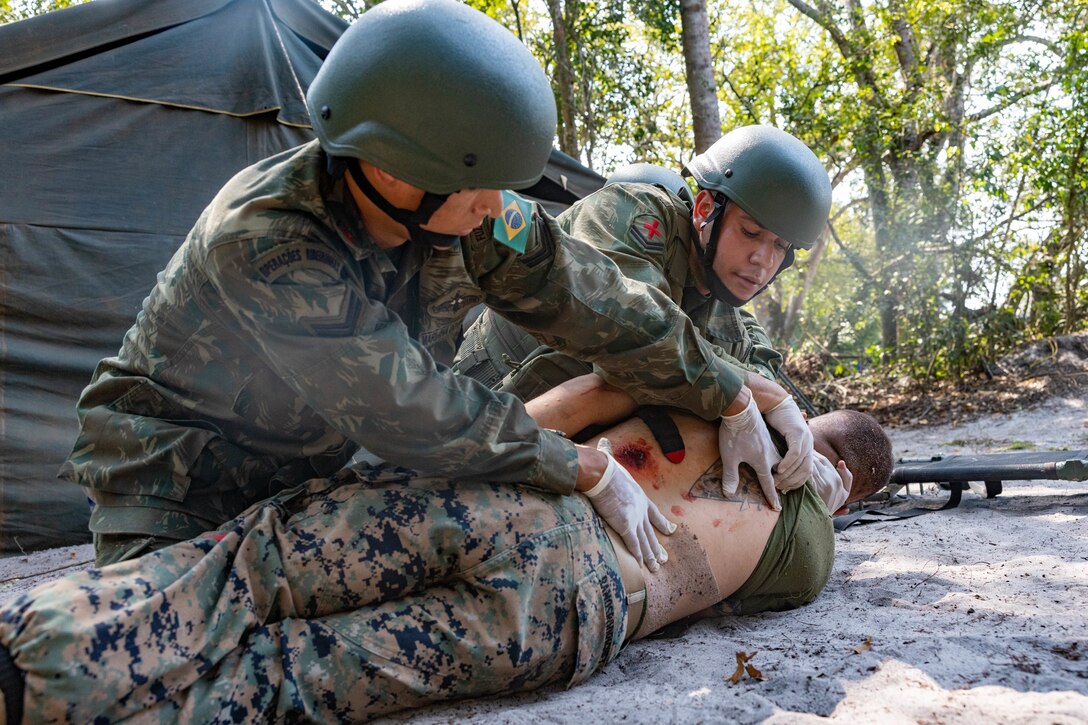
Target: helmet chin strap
(412,220)
(717,288)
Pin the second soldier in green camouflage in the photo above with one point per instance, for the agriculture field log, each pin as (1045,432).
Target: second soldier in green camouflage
(641,220)
(762,193)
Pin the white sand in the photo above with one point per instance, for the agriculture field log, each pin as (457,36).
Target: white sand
(975,615)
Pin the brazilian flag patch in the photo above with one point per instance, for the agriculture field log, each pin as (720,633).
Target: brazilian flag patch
(512,226)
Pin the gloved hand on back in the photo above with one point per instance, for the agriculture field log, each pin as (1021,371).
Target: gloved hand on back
(620,501)
(743,438)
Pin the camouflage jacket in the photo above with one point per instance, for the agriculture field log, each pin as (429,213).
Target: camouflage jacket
(280,339)
(647,232)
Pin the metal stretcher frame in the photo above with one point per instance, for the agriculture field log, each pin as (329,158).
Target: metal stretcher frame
(957,471)
(993,468)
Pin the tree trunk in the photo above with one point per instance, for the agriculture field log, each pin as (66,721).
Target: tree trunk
(886,244)
(1073,272)
(564,79)
(702,88)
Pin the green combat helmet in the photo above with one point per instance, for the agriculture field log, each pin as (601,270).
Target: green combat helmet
(772,176)
(440,96)
(644,173)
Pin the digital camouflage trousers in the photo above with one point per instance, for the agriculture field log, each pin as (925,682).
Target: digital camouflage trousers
(338,600)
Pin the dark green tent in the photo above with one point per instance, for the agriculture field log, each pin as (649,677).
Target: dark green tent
(121,119)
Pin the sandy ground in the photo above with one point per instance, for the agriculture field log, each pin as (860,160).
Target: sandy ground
(977,614)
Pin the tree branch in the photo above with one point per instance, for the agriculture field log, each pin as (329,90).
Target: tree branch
(861,71)
(1050,44)
(743,100)
(855,262)
(845,208)
(906,48)
(844,171)
(1014,98)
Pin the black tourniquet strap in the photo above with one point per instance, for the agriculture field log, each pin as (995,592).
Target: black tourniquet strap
(873,516)
(665,431)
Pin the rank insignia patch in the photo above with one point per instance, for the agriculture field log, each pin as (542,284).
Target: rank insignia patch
(647,233)
(512,226)
(339,319)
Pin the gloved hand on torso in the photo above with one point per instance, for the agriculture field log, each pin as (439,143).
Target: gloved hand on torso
(620,501)
(743,438)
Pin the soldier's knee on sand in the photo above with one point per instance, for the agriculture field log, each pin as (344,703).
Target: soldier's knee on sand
(112,548)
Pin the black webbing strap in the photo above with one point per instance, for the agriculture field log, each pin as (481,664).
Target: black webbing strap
(11,684)
(845,521)
(664,430)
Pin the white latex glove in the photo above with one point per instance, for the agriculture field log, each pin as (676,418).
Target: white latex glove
(832,483)
(743,438)
(796,466)
(620,501)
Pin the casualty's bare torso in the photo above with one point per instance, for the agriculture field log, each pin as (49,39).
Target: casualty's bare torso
(718,541)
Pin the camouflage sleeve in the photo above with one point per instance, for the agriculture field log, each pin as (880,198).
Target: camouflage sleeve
(353,361)
(576,300)
(639,227)
(647,233)
(764,359)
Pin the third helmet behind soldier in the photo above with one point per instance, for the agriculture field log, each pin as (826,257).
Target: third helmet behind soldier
(644,173)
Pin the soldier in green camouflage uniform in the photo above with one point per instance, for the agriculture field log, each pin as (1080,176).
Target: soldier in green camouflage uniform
(647,221)
(296,325)
(653,246)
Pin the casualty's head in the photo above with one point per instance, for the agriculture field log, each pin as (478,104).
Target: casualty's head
(762,194)
(440,97)
(644,173)
(854,437)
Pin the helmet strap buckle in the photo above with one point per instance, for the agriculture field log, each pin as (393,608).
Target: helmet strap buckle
(411,220)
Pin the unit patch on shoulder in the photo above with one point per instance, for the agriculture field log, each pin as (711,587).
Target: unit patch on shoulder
(288,258)
(512,226)
(339,317)
(648,232)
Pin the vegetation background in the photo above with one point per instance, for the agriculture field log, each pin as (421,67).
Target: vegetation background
(955,133)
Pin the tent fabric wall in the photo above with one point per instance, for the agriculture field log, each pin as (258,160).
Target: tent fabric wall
(122,118)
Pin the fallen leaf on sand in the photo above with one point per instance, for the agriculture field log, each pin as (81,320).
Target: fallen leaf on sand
(864,646)
(743,665)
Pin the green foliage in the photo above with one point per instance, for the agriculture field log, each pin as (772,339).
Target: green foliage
(965,170)
(955,132)
(15,10)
